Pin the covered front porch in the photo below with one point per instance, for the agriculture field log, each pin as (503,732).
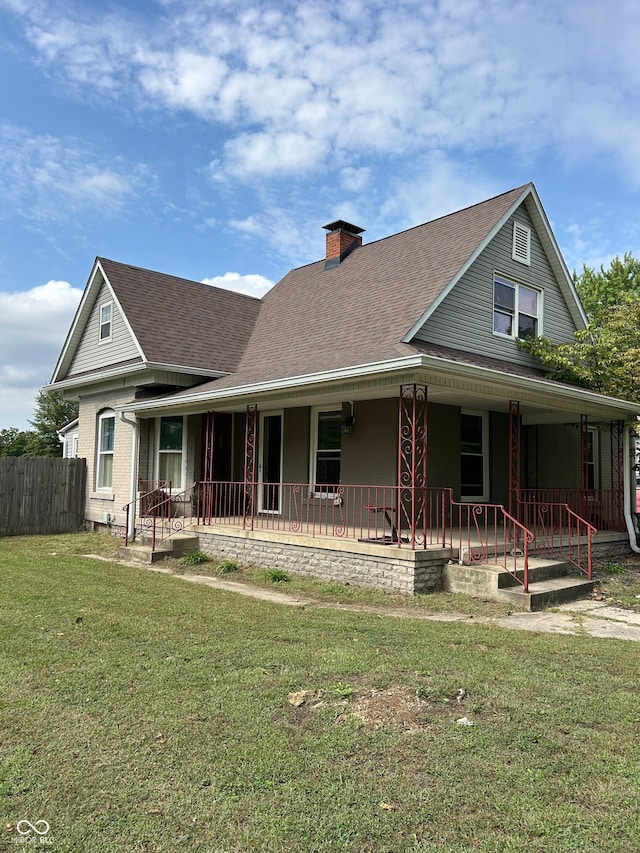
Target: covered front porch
(483,479)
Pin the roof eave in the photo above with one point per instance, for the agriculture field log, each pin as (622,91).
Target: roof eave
(508,384)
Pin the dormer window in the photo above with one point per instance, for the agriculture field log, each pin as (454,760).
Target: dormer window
(521,250)
(516,309)
(106,311)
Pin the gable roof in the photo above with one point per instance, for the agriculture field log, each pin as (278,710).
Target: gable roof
(174,322)
(367,309)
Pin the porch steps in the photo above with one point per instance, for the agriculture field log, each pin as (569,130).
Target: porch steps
(550,582)
(176,546)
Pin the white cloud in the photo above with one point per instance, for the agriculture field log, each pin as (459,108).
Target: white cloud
(33,326)
(294,84)
(251,285)
(46,179)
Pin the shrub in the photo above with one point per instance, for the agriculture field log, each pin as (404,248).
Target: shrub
(195,558)
(275,576)
(224,567)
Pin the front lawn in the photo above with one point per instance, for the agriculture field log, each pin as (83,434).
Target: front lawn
(142,713)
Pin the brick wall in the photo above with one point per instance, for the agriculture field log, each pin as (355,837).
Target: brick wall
(99,502)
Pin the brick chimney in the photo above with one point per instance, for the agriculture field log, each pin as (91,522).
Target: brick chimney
(342,239)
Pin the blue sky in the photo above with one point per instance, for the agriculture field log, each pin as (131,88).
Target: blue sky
(212,140)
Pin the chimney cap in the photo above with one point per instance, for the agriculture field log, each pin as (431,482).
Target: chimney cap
(342,225)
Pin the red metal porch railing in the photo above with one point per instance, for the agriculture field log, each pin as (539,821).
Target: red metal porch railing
(601,508)
(474,533)
(389,515)
(560,533)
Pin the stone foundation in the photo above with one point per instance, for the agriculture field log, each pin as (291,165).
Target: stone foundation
(358,563)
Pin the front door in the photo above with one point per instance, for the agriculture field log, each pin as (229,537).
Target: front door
(270,463)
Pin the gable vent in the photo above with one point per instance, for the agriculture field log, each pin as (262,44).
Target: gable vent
(521,244)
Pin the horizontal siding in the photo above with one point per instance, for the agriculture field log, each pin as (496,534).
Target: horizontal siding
(92,355)
(464,320)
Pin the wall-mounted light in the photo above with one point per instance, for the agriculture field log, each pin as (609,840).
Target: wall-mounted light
(348,423)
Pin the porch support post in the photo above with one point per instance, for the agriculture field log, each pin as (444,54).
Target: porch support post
(514,458)
(250,463)
(617,473)
(208,444)
(412,462)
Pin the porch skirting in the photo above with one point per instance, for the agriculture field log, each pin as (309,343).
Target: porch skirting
(358,563)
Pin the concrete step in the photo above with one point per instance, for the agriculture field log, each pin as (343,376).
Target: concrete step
(548,592)
(550,582)
(176,546)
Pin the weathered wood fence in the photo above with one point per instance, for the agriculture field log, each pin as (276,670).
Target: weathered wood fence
(41,496)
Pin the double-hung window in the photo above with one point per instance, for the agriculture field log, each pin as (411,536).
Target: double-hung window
(516,308)
(106,441)
(170,450)
(326,450)
(106,318)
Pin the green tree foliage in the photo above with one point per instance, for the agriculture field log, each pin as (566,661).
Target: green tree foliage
(606,355)
(14,442)
(599,291)
(51,412)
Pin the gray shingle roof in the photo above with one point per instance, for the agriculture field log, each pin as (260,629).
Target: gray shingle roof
(315,320)
(182,322)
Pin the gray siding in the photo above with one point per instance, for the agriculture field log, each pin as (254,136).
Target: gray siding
(464,320)
(92,355)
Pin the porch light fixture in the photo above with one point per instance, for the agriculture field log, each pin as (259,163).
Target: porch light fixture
(348,423)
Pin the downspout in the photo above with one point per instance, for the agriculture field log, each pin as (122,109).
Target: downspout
(627,483)
(133,486)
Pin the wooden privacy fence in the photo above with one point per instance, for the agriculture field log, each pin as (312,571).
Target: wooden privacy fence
(41,496)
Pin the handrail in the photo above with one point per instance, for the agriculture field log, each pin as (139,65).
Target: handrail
(559,533)
(138,500)
(176,522)
(492,536)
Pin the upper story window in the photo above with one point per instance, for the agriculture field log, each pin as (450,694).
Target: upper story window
(106,314)
(516,309)
(521,250)
(106,442)
(171,450)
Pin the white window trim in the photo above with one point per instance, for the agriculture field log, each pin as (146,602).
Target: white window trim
(109,337)
(521,233)
(183,468)
(477,499)
(107,413)
(313,455)
(517,285)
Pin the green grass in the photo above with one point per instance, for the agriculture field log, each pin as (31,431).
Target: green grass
(620,583)
(142,713)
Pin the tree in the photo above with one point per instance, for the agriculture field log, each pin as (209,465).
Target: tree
(604,356)
(14,442)
(51,412)
(599,291)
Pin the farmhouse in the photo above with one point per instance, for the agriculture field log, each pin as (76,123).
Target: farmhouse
(372,419)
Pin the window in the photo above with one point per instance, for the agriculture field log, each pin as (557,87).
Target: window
(473,456)
(106,436)
(106,311)
(521,250)
(326,449)
(593,468)
(170,450)
(516,309)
